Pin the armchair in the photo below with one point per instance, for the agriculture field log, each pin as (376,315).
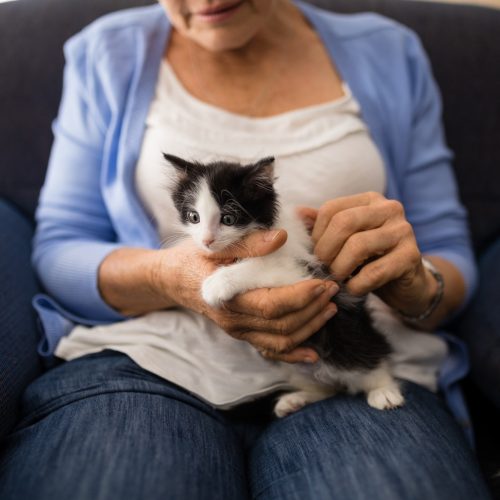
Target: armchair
(463,43)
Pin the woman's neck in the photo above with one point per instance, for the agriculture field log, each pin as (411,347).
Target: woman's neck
(265,76)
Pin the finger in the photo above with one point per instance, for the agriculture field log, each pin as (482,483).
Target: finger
(273,303)
(290,322)
(332,207)
(308,216)
(256,244)
(381,271)
(282,344)
(297,355)
(362,246)
(346,223)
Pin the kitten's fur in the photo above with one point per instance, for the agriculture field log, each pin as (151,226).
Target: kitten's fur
(218,204)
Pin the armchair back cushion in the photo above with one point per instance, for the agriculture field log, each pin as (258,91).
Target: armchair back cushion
(463,43)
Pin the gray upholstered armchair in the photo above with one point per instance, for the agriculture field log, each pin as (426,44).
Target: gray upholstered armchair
(464,47)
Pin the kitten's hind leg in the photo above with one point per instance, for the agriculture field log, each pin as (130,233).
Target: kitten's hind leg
(294,401)
(382,390)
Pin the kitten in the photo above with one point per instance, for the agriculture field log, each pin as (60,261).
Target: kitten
(221,202)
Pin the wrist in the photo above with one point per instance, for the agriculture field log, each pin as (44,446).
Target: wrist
(173,281)
(125,281)
(430,298)
(161,272)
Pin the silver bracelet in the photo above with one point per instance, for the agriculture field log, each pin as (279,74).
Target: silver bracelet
(435,300)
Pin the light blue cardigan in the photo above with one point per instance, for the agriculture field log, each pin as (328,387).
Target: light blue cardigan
(88,204)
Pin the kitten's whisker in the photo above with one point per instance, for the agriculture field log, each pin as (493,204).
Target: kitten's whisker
(173,238)
(240,245)
(233,202)
(263,184)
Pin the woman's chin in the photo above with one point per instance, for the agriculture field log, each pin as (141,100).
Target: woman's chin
(220,44)
(223,38)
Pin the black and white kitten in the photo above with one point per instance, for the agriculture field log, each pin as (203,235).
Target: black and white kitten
(221,202)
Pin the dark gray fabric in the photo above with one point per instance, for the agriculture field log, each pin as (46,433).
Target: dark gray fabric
(32,33)
(19,362)
(480,326)
(463,43)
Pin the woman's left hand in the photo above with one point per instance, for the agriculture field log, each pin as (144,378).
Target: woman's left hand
(366,240)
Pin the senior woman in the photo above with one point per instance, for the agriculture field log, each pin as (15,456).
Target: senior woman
(164,397)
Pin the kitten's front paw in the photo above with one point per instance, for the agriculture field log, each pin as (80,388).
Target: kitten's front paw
(385,398)
(217,289)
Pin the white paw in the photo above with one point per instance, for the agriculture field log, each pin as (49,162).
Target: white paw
(385,398)
(290,403)
(216,289)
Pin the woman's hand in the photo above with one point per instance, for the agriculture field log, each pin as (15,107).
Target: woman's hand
(274,320)
(366,240)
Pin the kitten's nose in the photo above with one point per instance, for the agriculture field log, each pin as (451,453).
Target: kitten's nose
(208,241)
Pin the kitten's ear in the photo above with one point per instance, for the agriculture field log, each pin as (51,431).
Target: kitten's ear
(181,165)
(263,170)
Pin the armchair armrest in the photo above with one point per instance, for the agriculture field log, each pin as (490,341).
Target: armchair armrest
(479,326)
(19,362)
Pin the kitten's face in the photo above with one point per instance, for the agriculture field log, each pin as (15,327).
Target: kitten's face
(219,203)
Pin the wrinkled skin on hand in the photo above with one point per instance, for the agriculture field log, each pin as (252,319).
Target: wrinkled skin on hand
(274,320)
(366,240)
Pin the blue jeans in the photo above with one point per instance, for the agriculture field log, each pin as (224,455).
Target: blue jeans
(101,427)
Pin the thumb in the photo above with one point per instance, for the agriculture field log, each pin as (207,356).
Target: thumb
(256,244)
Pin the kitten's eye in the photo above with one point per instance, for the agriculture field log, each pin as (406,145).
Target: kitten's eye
(228,220)
(193,217)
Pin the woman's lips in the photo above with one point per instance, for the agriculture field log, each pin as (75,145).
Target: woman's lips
(219,12)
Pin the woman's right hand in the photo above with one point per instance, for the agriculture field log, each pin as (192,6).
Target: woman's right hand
(274,320)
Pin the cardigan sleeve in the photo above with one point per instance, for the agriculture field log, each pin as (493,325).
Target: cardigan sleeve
(74,231)
(429,189)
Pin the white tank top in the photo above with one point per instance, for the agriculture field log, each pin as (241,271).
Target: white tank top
(322,152)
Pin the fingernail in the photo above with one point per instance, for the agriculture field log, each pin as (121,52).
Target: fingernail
(333,289)
(271,235)
(309,361)
(330,312)
(318,290)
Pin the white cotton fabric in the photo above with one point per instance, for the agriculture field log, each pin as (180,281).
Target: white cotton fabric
(321,152)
